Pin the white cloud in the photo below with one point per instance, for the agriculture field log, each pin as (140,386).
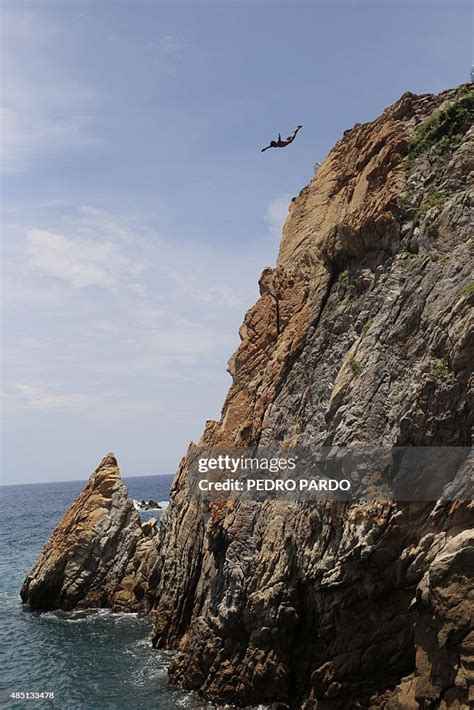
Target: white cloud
(276,214)
(36,397)
(100,305)
(78,262)
(201,284)
(87,248)
(100,223)
(90,248)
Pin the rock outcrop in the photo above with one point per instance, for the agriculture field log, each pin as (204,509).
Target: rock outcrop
(147,505)
(362,335)
(99,555)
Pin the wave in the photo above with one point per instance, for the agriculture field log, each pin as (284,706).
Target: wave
(78,616)
(162,503)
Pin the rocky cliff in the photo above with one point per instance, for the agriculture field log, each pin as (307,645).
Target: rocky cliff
(362,335)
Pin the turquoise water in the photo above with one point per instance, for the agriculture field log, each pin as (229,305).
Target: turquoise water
(88,659)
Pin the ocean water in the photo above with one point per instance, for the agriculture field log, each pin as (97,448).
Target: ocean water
(88,659)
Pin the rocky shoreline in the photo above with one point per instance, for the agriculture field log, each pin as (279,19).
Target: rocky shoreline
(362,334)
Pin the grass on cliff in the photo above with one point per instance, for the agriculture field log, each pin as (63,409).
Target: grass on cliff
(434,199)
(355,366)
(407,258)
(439,368)
(445,129)
(343,278)
(466,290)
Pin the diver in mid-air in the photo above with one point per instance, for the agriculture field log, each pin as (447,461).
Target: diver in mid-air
(283,142)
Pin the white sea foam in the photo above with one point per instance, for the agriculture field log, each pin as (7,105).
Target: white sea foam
(85,615)
(5,598)
(162,503)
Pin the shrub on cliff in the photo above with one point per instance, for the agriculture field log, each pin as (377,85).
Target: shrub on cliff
(445,128)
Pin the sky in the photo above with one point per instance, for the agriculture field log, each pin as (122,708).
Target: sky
(138,211)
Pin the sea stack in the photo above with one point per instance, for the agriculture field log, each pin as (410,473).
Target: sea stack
(99,554)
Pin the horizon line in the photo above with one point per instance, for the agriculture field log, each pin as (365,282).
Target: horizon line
(81,480)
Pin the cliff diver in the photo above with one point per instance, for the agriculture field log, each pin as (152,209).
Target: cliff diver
(283,142)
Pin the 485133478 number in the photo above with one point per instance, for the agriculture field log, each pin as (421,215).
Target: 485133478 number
(20,695)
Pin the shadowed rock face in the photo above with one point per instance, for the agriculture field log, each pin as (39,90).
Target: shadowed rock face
(362,335)
(99,555)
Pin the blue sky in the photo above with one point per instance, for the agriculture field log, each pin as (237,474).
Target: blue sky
(138,210)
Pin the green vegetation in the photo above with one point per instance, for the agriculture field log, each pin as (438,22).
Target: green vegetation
(367,325)
(439,368)
(445,129)
(407,258)
(466,290)
(432,230)
(343,278)
(355,366)
(434,199)
(406,201)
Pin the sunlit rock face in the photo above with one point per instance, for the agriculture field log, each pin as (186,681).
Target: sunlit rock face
(99,554)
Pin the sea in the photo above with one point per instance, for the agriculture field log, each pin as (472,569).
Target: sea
(91,659)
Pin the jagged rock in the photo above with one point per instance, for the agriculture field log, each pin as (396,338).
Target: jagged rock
(149,527)
(444,630)
(149,505)
(99,555)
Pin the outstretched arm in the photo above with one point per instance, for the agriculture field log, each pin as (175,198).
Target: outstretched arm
(266,148)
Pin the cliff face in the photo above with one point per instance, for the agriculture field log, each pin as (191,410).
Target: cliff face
(99,555)
(362,335)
